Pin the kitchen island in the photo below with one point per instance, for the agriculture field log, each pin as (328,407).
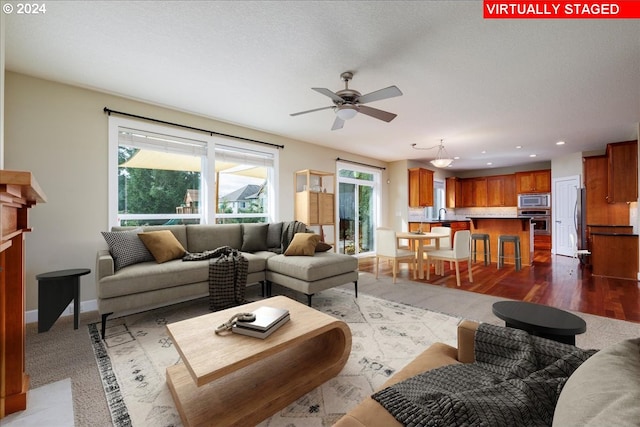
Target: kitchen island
(496,226)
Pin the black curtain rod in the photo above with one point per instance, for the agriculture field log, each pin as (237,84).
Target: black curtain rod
(210,132)
(338,159)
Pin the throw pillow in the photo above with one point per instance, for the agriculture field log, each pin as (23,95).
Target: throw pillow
(303,244)
(274,236)
(126,248)
(604,390)
(163,245)
(254,237)
(323,247)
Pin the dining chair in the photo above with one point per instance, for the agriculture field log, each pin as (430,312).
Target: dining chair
(461,251)
(575,252)
(445,243)
(387,248)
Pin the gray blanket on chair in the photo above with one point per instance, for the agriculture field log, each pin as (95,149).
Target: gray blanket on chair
(227,276)
(515,381)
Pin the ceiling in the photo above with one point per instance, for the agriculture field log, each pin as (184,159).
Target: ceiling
(480,85)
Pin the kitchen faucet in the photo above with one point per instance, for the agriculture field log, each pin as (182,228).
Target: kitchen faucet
(440,210)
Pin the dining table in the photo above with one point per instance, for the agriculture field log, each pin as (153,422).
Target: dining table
(417,240)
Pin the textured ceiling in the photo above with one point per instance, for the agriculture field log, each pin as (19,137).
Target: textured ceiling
(481,85)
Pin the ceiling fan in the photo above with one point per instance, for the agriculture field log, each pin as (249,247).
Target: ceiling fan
(348,102)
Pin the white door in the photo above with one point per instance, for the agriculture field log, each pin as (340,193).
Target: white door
(563,213)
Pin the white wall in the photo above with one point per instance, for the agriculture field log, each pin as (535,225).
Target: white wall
(59,133)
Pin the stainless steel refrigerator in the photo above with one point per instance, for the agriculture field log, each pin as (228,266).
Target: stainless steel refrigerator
(580,218)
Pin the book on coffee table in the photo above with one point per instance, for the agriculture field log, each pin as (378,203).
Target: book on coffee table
(266,317)
(238,328)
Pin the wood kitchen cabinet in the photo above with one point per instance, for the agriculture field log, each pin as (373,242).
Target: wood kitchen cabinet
(622,172)
(533,181)
(474,192)
(420,187)
(599,211)
(453,192)
(501,190)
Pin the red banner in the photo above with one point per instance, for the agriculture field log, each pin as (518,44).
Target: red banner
(494,9)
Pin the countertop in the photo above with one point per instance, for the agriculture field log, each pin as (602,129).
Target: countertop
(600,233)
(519,217)
(435,221)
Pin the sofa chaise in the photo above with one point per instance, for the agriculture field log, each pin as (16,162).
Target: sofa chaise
(129,278)
(604,390)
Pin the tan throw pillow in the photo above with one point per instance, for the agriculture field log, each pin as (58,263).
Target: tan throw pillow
(163,245)
(303,244)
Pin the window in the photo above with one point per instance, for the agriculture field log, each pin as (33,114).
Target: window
(162,175)
(438,200)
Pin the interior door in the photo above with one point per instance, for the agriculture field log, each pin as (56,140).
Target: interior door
(563,213)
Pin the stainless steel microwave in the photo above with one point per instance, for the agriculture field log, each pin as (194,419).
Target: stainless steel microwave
(541,200)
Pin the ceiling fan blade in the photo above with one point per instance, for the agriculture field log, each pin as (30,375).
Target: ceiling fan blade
(337,123)
(388,92)
(328,93)
(378,114)
(311,111)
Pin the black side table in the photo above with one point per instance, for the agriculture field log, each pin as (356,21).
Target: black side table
(56,290)
(541,320)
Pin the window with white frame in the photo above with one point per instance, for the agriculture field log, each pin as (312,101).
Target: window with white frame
(163,175)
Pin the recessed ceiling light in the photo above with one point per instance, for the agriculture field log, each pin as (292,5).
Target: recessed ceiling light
(489,163)
(483,152)
(518,147)
(532,155)
(456,158)
(560,143)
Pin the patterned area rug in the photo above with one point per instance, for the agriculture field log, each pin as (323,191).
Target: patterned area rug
(386,336)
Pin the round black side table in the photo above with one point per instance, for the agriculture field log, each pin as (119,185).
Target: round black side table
(56,290)
(541,320)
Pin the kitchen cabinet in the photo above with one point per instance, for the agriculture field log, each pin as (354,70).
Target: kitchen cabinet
(314,201)
(599,211)
(501,190)
(453,192)
(420,187)
(622,172)
(474,192)
(533,181)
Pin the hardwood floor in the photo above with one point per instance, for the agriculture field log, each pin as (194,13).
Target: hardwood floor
(558,281)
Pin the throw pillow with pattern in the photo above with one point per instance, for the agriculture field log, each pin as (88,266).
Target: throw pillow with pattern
(126,248)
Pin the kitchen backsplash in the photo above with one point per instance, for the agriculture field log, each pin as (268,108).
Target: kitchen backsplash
(419,214)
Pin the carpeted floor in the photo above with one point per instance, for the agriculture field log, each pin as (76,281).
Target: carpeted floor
(64,352)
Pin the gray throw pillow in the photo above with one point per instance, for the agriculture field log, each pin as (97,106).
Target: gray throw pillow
(126,248)
(274,236)
(254,237)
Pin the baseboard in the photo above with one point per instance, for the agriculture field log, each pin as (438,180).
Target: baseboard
(31,316)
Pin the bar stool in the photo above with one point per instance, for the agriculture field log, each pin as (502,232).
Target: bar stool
(486,245)
(502,239)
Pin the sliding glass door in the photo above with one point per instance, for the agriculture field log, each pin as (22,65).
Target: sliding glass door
(358,199)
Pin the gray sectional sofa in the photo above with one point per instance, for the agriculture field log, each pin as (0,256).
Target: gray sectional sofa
(129,280)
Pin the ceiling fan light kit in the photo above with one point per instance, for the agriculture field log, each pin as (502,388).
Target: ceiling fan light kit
(348,102)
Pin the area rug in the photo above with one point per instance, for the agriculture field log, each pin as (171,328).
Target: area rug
(385,337)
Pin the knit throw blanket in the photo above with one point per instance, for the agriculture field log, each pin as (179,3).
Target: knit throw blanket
(515,381)
(227,276)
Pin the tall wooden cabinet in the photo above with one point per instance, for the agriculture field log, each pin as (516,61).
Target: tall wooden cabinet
(622,172)
(19,191)
(420,187)
(314,202)
(599,210)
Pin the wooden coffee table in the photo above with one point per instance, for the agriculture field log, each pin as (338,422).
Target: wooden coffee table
(239,380)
